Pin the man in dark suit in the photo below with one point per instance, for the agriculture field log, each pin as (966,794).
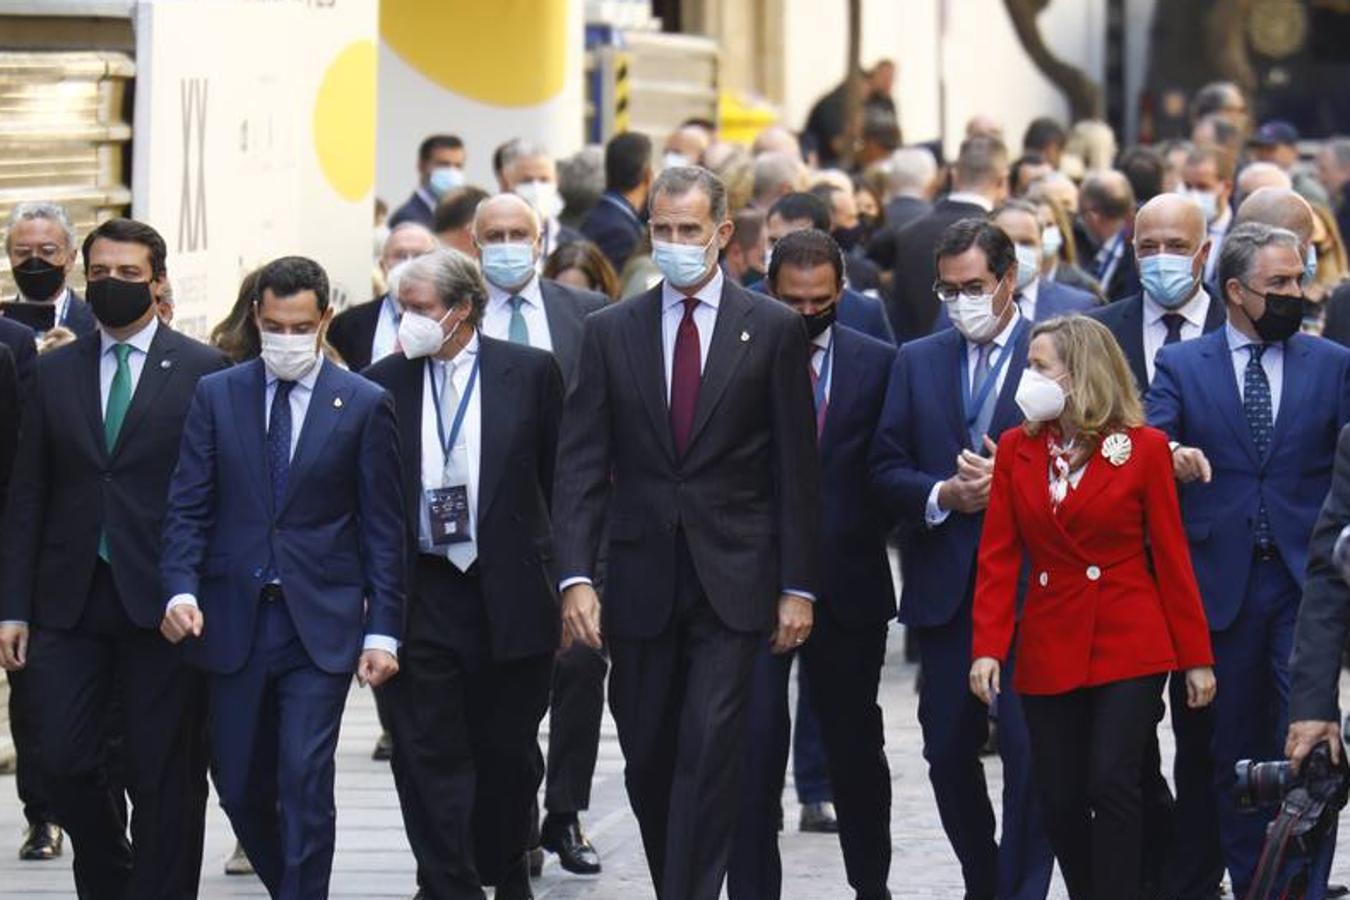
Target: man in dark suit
(40,242)
(798,212)
(368,332)
(482,612)
(1037,298)
(284,564)
(843,659)
(523,308)
(1182,856)
(911,178)
(1106,211)
(440,168)
(614,224)
(22,343)
(529,172)
(79,594)
(685,398)
(1255,463)
(932,463)
(980,182)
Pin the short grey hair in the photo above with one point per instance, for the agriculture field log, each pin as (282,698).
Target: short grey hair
(1241,245)
(910,169)
(31,210)
(981,162)
(680,180)
(772,171)
(521,148)
(454,276)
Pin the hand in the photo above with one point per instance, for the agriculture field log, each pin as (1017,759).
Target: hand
(1305,735)
(992,449)
(1189,464)
(184,620)
(1200,687)
(581,616)
(984,679)
(796,615)
(13,647)
(971,466)
(964,496)
(376,667)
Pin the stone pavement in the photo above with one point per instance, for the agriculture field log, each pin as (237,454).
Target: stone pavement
(373,860)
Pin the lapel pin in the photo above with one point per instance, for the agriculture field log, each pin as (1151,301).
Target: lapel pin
(745,336)
(1117,448)
(337,403)
(166,364)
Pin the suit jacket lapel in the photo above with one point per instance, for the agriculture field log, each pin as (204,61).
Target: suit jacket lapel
(247,397)
(1221,385)
(1132,340)
(1295,356)
(647,355)
(724,354)
(498,386)
(91,391)
(1216,315)
(326,407)
(156,373)
(1006,414)
(564,325)
(841,382)
(408,399)
(957,370)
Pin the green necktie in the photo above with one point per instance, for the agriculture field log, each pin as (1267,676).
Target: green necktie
(119,401)
(519,332)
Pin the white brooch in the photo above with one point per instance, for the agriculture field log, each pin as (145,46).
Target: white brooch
(337,403)
(745,336)
(165,364)
(1116,449)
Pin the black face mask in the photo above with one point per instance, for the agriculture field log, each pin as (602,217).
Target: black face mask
(1282,318)
(117,303)
(848,238)
(817,322)
(38,279)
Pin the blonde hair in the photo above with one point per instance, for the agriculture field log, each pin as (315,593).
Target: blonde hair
(1103,398)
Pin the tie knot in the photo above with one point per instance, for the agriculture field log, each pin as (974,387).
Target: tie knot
(123,351)
(515,301)
(1257,351)
(284,388)
(690,304)
(1173,320)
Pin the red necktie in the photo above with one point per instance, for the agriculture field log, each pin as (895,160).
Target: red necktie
(824,406)
(685,374)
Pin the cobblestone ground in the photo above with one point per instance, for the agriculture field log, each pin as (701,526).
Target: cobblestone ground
(373,860)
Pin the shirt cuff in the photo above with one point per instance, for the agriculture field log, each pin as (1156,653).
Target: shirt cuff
(575,579)
(798,592)
(381,642)
(180,600)
(933,514)
(14,622)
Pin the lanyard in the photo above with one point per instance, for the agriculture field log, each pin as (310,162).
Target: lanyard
(449,445)
(974,406)
(823,379)
(623,207)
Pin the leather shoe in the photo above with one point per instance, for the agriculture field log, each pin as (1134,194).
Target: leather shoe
(818,818)
(42,841)
(384,748)
(575,852)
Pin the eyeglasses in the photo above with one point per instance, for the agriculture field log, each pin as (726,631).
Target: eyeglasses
(948,293)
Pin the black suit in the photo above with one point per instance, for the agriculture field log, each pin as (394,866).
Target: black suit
(1336,325)
(1181,846)
(352,333)
(913,307)
(700,547)
(22,344)
(478,645)
(79,317)
(95,623)
(899,213)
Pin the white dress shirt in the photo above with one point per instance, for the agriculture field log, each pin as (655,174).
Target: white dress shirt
(934,514)
(107,359)
(386,329)
(497,316)
(1217,230)
(979,200)
(705,318)
(1027,297)
(1272,361)
(1194,311)
(460,368)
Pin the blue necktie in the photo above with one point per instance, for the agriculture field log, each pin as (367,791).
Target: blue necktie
(985,417)
(1256,403)
(279,443)
(518,331)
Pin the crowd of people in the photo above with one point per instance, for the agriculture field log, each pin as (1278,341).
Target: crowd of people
(658,418)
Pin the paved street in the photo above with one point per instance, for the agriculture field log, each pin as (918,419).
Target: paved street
(373,860)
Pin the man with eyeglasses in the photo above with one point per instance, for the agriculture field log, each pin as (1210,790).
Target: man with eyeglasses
(40,243)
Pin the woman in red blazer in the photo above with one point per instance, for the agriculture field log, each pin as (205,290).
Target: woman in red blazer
(1086,492)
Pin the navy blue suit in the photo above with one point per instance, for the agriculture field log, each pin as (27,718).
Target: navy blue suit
(1055,299)
(843,656)
(22,344)
(613,226)
(282,655)
(1251,593)
(923,430)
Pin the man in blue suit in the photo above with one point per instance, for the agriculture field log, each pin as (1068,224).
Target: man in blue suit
(950,395)
(800,211)
(614,224)
(1038,299)
(843,657)
(1255,458)
(284,563)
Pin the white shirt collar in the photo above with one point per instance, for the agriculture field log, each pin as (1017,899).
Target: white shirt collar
(140,340)
(307,382)
(530,293)
(464,356)
(967,197)
(824,339)
(1193,310)
(1032,292)
(391,308)
(1237,340)
(710,293)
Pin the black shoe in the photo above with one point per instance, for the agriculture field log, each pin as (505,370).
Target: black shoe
(384,748)
(1338,890)
(818,818)
(42,841)
(536,860)
(575,853)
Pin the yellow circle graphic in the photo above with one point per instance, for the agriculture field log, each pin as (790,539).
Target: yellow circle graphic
(344,121)
(499,52)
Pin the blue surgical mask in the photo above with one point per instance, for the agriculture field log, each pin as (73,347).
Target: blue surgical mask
(445,178)
(1310,265)
(682,264)
(1208,201)
(1168,278)
(508,266)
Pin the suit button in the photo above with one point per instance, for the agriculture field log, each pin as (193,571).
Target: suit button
(1094,573)
(1044,579)
(257,573)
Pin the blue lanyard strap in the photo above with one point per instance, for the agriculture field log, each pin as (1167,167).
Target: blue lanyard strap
(973,406)
(449,445)
(823,379)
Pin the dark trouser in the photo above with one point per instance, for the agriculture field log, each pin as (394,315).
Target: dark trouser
(34,793)
(274,732)
(1251,708)
(843,667)
(810,770)
(955,728)
(575,711)
(1088,749)
(75,672)
(679,701)
(466,730)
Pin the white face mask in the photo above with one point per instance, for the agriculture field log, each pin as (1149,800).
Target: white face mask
(1028,265)
(673,160)
(1041,399)
(421,335)
(289,356)
(1051,241)
(974,317)
(542,195)
(1208,201)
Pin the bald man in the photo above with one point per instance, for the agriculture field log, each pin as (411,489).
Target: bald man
(1106,211)
(685,146)
(1259,175)
(1279,207)
(368,332)
(776,139)
(1172,245)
